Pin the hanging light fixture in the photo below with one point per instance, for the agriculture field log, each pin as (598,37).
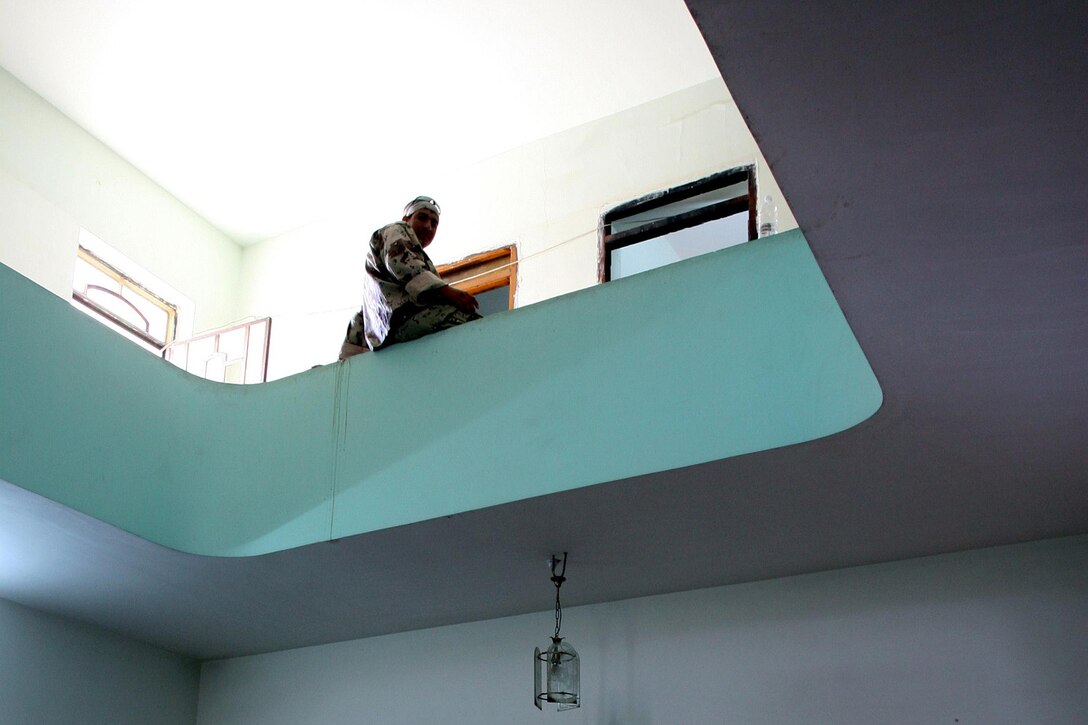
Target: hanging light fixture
(555,670)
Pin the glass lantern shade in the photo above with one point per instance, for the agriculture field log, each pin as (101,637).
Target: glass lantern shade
(555,676)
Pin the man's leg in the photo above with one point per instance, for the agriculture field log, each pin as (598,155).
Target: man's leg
(428,320)
(354,339)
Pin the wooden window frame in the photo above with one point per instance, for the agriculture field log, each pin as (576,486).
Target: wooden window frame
(610,242)
(484,271)
(126,282)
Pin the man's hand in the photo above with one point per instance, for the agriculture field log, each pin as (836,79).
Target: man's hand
(458,298)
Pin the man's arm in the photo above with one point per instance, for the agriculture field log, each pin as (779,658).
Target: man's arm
(407,265)
(410,269)
(452,296)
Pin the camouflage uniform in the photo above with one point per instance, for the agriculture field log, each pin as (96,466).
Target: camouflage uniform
(398,272)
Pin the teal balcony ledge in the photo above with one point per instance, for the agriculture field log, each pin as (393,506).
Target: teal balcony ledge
(730,353)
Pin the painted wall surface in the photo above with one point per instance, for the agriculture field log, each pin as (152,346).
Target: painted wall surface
(130,439)
(754,354)
(992,636)
(55,178)
(55,671)
(546,197)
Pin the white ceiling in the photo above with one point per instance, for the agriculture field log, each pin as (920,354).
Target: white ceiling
(263,116)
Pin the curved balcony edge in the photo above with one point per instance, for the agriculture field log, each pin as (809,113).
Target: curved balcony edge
(730,353)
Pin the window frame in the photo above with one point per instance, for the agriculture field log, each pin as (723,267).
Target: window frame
(610,242)
(83,254)
(484,271)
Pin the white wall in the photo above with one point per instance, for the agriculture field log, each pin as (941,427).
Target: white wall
(546,197)
(991,636)
(55,178)
(54,672)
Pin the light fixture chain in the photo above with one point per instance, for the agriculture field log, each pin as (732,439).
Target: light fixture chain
(558,612)
(558,578)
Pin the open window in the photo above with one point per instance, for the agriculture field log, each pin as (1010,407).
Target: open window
(685,221)
(491,276)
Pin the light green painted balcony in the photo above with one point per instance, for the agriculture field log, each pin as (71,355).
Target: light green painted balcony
(730,353)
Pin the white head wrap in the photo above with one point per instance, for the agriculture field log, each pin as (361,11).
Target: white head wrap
(422,202)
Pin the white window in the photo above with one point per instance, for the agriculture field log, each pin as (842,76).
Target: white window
(688,220)
(121,295)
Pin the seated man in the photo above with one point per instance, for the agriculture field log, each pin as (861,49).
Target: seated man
(404,298)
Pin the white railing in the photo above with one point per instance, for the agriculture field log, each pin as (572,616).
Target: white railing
(235,354)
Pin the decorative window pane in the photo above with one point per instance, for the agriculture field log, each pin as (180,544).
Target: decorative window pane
(121,302)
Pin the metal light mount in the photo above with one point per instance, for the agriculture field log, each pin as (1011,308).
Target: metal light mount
(556,677)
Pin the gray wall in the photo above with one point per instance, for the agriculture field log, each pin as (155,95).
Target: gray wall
(992,636)
(55,671)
